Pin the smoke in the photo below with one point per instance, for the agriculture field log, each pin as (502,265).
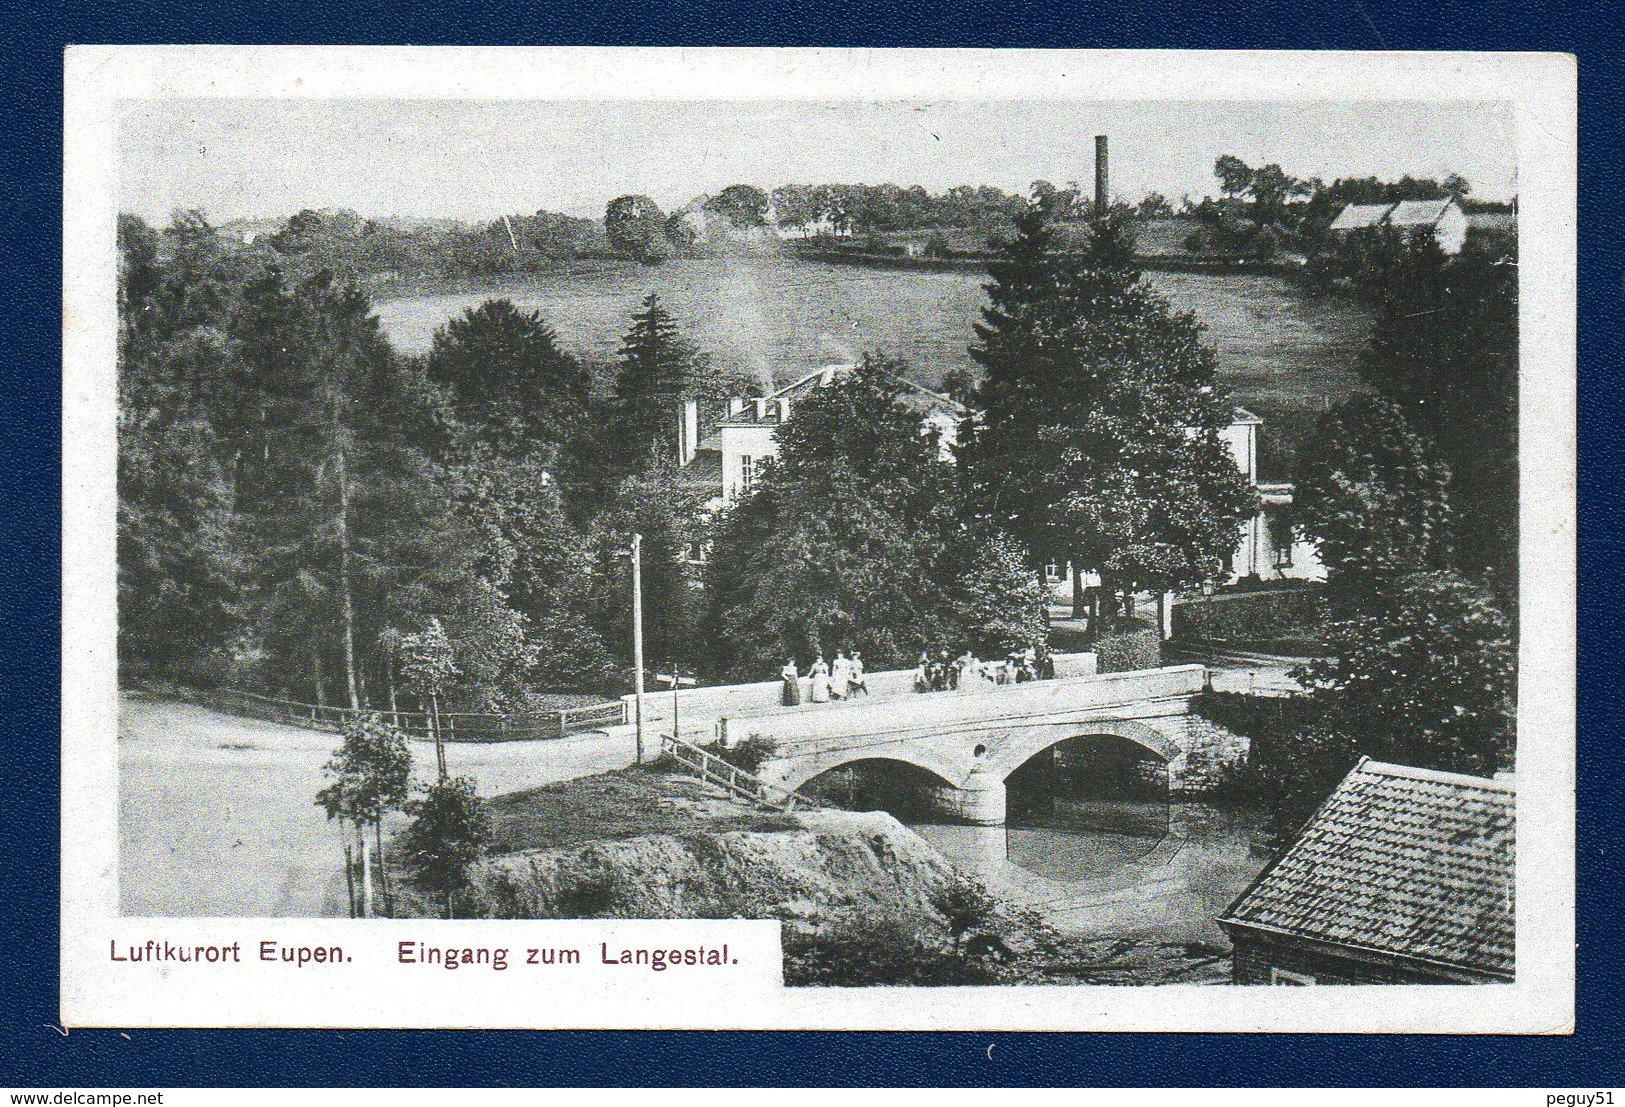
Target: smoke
(743,320)
(840,349)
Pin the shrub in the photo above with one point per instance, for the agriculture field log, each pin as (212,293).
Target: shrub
(875,950)
(748,755)
(965,905)
(449,832)
(1127,646)
(1276,615)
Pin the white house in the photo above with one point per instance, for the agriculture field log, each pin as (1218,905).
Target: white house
(724,456)
(1268,549)
(1445,217)
(742,436)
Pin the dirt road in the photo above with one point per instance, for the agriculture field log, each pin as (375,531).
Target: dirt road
(217,814)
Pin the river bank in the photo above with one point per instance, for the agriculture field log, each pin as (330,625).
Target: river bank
(863,899)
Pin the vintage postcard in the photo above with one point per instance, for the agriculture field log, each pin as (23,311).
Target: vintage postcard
(653,538)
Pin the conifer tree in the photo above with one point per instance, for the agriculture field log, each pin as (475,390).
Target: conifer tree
(1445,349)
(656,371)
(1099,435)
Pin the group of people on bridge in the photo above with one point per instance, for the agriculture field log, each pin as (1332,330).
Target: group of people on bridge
(842,680)
(940,672)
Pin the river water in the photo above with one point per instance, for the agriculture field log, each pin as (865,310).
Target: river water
(1169,885)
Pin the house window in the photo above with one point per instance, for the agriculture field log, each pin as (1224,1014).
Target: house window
(1052,572)
(1287,978)
(747,472)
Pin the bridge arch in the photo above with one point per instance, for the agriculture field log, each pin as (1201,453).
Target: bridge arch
(797,771)
(1021,747)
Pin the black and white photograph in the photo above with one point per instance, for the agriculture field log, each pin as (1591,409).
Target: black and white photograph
(985,541)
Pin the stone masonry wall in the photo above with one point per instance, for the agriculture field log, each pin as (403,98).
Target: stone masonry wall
(1214,756)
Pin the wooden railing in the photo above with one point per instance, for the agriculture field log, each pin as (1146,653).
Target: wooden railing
(455,726)
(575,719)
(746,786)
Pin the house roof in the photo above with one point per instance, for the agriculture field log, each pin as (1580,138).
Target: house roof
(1419,213)
(1406,213)
(699,480)
(915,397)
(1355,216)
(1403,861)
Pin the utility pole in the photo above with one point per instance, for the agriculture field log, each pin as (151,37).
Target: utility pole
(676,679)
(637,636)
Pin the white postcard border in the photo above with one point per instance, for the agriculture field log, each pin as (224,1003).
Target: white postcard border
(100,81)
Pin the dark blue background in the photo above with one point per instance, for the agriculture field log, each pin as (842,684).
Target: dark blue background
(35,1054)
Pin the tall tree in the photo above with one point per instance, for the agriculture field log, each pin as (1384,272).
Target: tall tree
(742,205)
(855,538)
(1099,434)
(316,392)
(656,503)
(1235,176)
(636,228)
(507,377)
(181,563)
(1445,349)
(1371,494)
(1424,675)
(656,370)
(541,564)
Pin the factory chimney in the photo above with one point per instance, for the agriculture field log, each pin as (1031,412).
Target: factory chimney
(1100,175)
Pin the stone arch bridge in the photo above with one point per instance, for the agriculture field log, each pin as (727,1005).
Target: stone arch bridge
(972,741)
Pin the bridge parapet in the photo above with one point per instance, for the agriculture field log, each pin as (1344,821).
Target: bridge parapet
(762,697)
(805,728)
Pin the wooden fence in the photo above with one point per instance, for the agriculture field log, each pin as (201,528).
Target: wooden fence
(745,785)
(455,726)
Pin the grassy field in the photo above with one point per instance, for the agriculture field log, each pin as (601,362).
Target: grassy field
(1285,356)
(629,803)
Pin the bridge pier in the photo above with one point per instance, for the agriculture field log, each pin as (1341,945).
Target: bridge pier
(980,800)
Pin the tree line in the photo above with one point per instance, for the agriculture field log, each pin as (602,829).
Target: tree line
(1261,210)
(350,246)
(298,500)
(299,503)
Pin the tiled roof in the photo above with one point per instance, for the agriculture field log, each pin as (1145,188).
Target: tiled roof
(1402,861)
(705,468)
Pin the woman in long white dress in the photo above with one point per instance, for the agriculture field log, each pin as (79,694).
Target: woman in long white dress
(840,675)
(818,679)
(970,672)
